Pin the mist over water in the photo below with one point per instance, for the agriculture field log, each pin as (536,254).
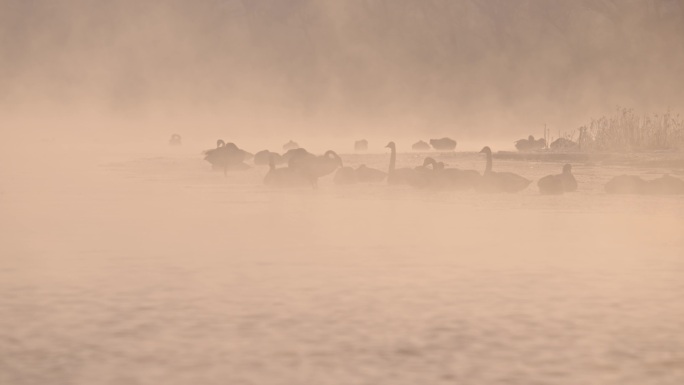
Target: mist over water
(124,260)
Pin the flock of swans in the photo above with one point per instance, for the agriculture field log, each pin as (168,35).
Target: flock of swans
(302,168)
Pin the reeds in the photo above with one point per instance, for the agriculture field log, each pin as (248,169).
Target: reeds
(626,131)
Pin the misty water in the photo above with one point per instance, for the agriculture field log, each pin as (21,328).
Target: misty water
(145,267)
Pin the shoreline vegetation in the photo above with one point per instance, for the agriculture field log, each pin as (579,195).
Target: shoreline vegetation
(624,137)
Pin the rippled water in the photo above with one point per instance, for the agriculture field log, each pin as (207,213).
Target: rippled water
(134,268)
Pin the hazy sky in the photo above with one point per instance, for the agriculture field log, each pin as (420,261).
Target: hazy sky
(432,66)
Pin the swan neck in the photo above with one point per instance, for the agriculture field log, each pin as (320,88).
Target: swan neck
(393,160)
(488,169)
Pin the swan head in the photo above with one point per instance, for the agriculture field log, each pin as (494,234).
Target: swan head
(330,154)
(486,150)
(391,145)
(429,160)
(567,168)
(220,143)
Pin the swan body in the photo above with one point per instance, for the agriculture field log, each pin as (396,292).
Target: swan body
(450,178)
(226,156)
(626,184)
(290,146)
(345,175)
(287,177)
(316,166)
(530,144)
(263,158)
(444,144)
(558,184)
(665,185)
(632,184)
(361,145)
(420,146)
(500,181)
(175,140)
(366,174)
(401,175)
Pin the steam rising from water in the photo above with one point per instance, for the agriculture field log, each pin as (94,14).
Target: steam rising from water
(124,260)
(472,67)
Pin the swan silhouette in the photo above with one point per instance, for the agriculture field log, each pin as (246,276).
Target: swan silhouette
(500,181)
(226,156)
(398,176)
(317,166)
(559,183)
(450,178)
(345,175)
(530,144)
(444,144)
(626,184)
(290,146)
(287,177)
(361,145)
(420,146)
(263,158)
(175,140)
(665,185)
(365,174)
(632,184)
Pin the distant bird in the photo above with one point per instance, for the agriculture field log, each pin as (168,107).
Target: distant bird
(175,140)
(226,157)
(366,174)
(563,144)
(361,145)
(345,175)
(450,178)
(317,166)
(559,183)
(290,145)
(530,144)
(263,158)
(287,177)
(626,184)
(500,181)
(632,184)
(665,185)
(420,146)
(444,144)
(398,176)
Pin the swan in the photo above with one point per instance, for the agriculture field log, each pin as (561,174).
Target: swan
(500,181)
(345,175)
(558,184)
(226,156)
(287,176)
(632,184)
(398,176)
(263,158)
(366,174)
(175,140)
(626,184)
(665,185)
(317,166)
(530,144)
(290,145)
(444,144)
(214,155)
(361,145)
(450,178)
(420,146)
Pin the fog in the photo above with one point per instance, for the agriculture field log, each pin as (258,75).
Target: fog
(325,67)
(127,260)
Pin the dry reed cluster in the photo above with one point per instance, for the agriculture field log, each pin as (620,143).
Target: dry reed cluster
(625,131)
